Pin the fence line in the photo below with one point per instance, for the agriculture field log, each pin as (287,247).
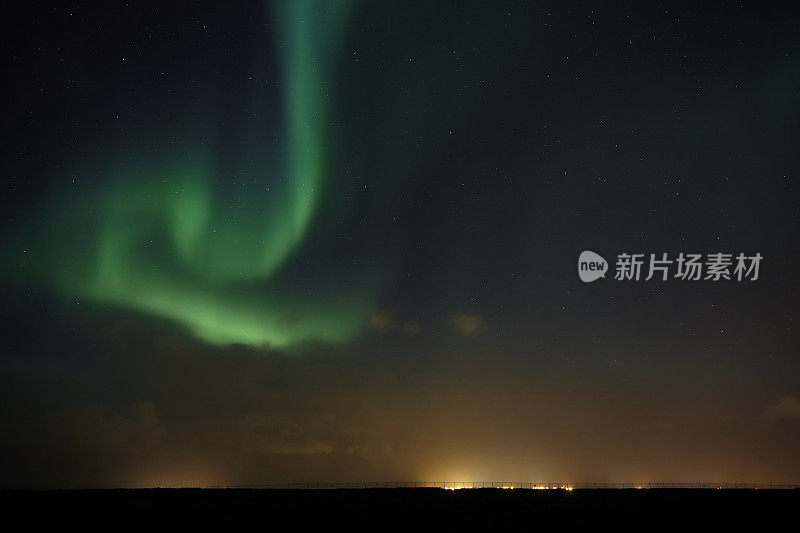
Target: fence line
(457,485)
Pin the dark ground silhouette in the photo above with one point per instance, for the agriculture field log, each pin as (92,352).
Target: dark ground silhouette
(388,508)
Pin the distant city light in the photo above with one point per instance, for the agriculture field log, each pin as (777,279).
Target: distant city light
(509,487)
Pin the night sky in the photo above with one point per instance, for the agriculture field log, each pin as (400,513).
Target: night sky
(330,240)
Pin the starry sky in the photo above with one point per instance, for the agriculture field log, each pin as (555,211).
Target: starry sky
(337,240)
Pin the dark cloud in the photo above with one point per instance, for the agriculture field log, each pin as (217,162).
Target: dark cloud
(467,324)
(787,408)
(175,413)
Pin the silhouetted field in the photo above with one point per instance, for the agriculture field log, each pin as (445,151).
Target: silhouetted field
(391,507)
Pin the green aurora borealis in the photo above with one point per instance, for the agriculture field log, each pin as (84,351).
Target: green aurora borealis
(157,238)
